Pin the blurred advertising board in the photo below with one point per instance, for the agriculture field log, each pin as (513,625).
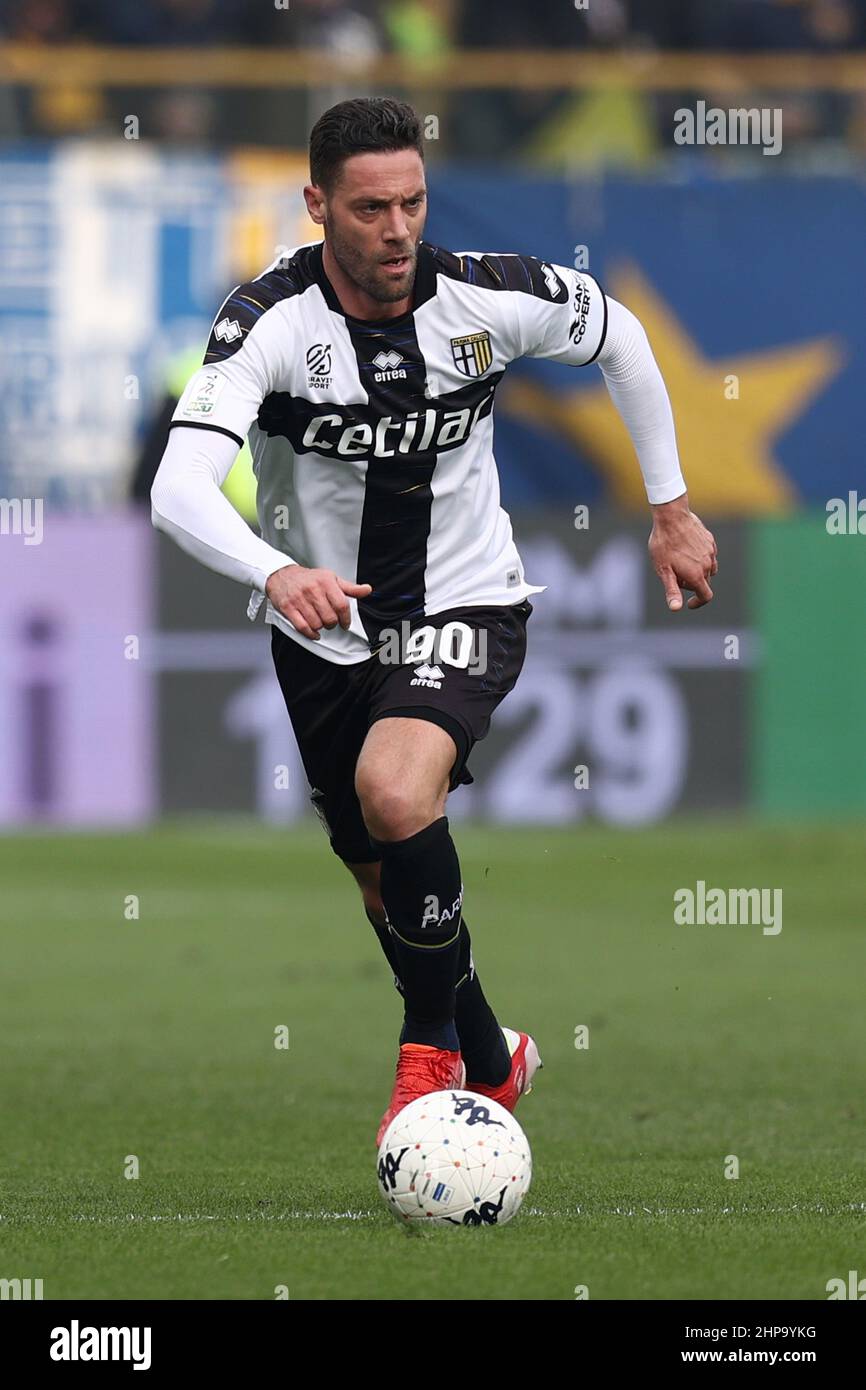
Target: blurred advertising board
(133,685)
(653,707)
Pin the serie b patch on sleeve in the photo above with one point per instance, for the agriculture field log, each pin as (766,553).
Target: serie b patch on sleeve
(204,392)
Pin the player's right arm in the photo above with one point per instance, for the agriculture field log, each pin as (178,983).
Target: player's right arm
(207,430)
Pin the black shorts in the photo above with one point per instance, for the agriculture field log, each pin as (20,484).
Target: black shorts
(332,707)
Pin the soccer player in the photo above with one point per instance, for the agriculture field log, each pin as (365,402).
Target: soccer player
(363,370)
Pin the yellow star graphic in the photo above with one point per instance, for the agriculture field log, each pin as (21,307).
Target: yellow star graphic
(727,413)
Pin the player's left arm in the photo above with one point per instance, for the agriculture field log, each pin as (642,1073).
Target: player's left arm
(569,318)
(682,550)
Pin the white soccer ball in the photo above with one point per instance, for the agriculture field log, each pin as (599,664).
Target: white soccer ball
(457,1157)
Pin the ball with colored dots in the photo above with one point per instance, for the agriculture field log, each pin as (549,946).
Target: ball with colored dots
(454,1157)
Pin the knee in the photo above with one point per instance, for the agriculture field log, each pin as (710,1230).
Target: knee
(391,811)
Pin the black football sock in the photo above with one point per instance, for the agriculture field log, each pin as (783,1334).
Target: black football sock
(482,1044)
(422,894)
(387,944)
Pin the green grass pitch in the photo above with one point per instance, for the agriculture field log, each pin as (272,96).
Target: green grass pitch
(155,1038)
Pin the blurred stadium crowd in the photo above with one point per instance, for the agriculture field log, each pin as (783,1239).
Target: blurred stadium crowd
(429,27)
(546,125)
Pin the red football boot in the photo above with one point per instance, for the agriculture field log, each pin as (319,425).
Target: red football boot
(525,1061)
(420,1070)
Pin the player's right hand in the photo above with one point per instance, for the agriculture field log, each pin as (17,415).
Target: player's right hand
(313,599)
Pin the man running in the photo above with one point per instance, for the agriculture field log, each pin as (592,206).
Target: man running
(363,369)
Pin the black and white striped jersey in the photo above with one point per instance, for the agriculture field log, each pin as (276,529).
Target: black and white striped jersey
(373,441)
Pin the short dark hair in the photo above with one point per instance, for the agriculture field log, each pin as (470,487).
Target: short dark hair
(360,126)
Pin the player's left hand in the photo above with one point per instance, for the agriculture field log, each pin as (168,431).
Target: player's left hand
(683,553)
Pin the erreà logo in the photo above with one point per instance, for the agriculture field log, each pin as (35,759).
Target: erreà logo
(555,287)
(432,676)
(390,366)
(228,331)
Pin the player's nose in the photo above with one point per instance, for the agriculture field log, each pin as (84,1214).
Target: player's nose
(397,227)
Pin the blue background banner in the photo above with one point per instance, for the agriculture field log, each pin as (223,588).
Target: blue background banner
(749,291)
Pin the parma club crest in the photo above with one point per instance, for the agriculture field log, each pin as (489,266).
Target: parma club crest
(472,354)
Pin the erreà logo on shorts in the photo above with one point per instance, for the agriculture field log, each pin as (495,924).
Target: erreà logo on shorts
(432,676)
(77,1343)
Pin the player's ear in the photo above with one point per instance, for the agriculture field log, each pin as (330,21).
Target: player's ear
(315,201)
